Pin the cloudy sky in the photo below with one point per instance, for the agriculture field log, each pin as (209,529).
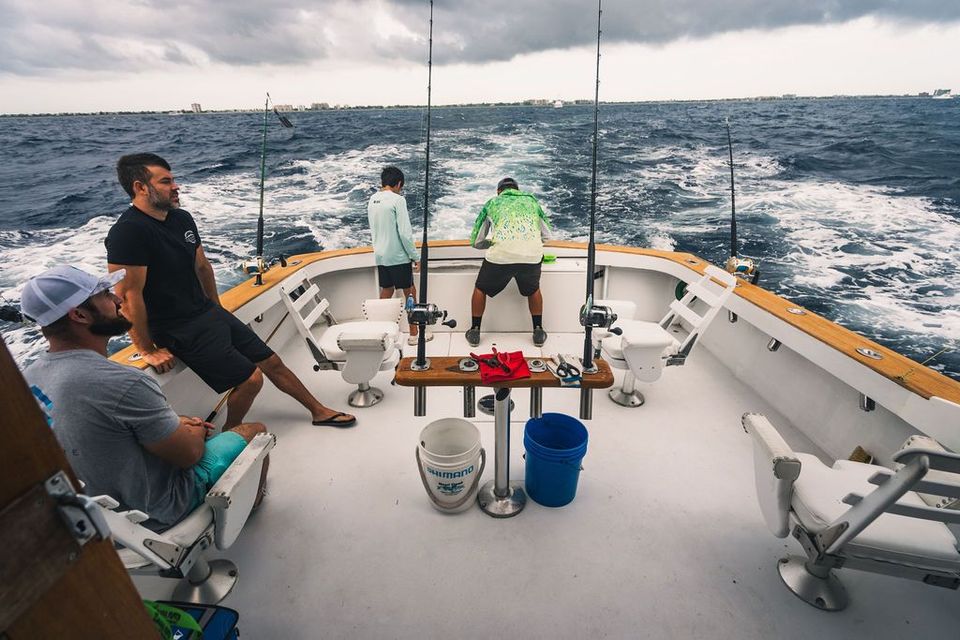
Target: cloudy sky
(73,55)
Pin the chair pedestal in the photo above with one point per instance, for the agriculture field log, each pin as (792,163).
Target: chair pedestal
(626,394)
(365,396)
(207,582)
(814,585)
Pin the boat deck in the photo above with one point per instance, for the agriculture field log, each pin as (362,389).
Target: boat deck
(664,539)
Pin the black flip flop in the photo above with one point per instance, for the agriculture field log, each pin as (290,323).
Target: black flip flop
(333,422)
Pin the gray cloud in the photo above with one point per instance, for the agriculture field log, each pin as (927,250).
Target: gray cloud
(122,35)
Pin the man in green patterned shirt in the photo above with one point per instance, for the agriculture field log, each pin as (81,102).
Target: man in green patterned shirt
(511,227)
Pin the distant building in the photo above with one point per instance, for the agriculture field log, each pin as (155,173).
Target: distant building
(320,105)
(283,107)
(923,94)
(789,96)
(537,102)
(195,107)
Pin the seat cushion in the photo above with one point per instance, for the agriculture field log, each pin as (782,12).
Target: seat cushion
(818,500)
(328,341)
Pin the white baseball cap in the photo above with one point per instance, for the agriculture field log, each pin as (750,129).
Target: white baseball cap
(49,296)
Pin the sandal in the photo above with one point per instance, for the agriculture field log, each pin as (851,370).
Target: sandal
(332,421)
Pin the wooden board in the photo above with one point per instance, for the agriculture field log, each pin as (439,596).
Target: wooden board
(443,372)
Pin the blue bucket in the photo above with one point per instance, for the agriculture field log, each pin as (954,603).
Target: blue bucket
(555,444)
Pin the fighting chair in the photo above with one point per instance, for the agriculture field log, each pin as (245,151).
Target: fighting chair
(856,515)
(359,349)
(644,347)
(178,553)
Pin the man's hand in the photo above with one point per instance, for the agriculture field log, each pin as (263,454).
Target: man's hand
(195,423)
(416,266)
(160,359)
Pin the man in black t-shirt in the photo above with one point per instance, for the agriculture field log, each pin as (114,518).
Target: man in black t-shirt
(170,295)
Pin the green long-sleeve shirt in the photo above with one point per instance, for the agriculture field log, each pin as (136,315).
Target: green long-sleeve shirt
(517,226)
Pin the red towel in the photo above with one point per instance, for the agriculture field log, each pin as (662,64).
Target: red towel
(514,361)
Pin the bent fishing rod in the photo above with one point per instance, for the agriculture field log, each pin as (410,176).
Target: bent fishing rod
(743,267)
(424,313)
(592,316)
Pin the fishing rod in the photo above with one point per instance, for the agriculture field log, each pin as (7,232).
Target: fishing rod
(592,316)
(425,313)
(259,265)
(743,267)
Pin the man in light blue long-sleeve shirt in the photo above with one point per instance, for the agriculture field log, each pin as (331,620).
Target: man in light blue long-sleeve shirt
(393,249)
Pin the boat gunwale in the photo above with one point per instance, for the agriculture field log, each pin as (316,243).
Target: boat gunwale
(903,371)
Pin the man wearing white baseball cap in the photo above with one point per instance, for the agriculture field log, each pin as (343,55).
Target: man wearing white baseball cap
(113,422)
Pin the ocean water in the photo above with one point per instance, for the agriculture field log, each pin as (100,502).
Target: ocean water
(851,206)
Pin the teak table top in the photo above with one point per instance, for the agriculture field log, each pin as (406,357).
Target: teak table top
(444,372)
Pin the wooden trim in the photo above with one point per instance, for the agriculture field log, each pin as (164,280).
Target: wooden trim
(907,373)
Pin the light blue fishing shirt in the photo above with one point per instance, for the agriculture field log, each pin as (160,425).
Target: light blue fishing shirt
(390,228)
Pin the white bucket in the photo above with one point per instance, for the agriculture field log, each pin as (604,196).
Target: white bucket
(451,462)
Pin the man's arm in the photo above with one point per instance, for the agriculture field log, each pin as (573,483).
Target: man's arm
(134,309)
(185,446)
(480,241)
(481,223)
(208,279)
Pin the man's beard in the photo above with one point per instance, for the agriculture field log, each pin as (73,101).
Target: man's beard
(157,201)
(109,326)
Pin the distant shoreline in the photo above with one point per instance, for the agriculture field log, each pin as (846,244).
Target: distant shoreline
(472,105)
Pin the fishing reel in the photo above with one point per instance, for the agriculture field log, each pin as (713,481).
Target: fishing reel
(598,317)
(258,266)
(427,313)
(742,267)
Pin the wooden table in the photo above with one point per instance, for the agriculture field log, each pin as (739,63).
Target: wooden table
(499,497)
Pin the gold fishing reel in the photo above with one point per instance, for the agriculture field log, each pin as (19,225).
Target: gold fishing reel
(742,267)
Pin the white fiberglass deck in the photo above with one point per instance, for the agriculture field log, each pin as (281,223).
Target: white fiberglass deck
(664,539)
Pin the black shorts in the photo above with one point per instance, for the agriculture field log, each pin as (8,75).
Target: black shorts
(396,276)
(494,277)
(217,346)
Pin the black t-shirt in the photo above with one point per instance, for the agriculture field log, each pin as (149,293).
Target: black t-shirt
(168,249)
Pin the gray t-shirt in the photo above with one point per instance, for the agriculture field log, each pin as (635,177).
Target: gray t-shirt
(103,413)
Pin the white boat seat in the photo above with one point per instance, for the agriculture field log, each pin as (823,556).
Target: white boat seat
(358,349)
(855,515)
(644,348)
(178,552)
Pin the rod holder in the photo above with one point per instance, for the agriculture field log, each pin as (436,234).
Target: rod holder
(773,344)
(419,401)
(469,402)
(731,316)
(536,402)
(586,404)
(866,403)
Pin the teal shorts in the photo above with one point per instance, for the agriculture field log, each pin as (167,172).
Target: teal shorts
(221,451)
